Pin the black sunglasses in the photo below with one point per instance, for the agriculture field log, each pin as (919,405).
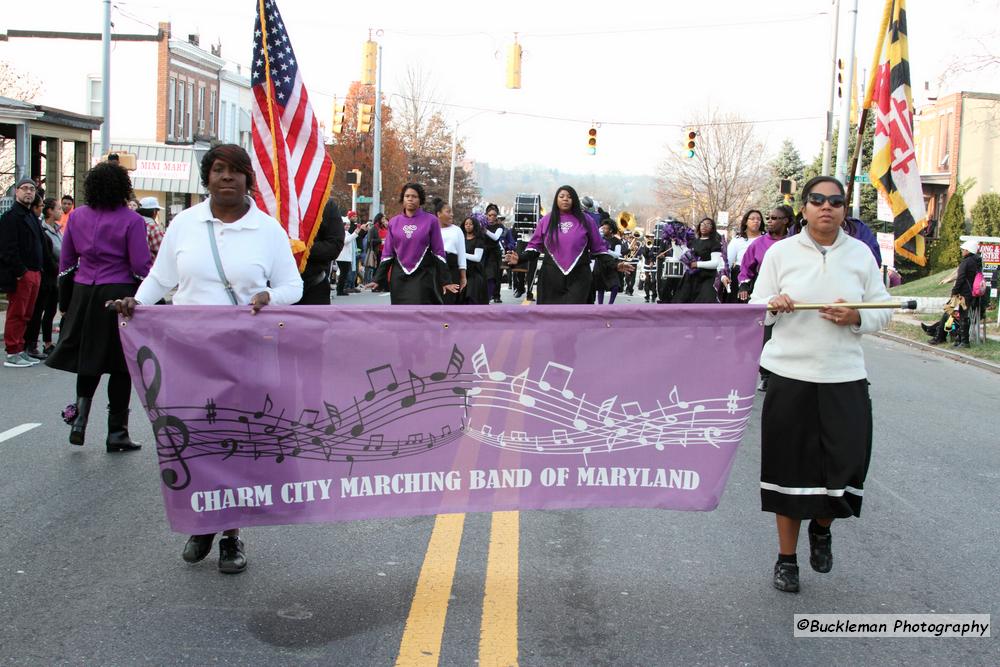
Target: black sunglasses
(775,218)
(817,199)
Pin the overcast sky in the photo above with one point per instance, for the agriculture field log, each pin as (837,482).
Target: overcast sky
(638,68)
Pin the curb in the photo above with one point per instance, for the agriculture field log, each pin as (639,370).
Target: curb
(956,356)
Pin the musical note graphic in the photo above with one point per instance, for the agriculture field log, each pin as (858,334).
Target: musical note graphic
(481,365)
(388,386)
(268,405)
(527,401)
(230,444)
(358,428)
(375,440)
(579,424)
(333,414)
(271,428)
(308,423)
(518,436)
(606,408)
(675,397)
(694,415)
(561,437)
(545,385)
(445,431)
(633,409)
(733,403)
(455,362)
(210,411)
(408,401)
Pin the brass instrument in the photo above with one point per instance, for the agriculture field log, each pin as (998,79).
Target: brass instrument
(626,221)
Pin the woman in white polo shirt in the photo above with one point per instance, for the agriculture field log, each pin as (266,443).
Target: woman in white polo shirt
(816,426)
(256,260)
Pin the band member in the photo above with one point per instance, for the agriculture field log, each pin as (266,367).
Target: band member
(647,258)
(569,238)
(750,229)
(475,250)
(493,231)
(777,227)
(454,248)
(703,261)
(606,276)
(816,424)
(413,251)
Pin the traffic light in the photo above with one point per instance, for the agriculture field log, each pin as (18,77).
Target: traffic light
(690,142)
(514,64)
(369,61)
(592,141)
(364,117)
(840,77)
(338,117)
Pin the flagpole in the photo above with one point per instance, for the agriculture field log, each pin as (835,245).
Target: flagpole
(276,186)
(845,107)
(828,141)
(870,88)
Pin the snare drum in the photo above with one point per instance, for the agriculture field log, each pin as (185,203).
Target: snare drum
(672,268)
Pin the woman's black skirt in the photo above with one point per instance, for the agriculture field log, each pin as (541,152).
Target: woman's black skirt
(475,285)
(422,287)
(88,337)
(605,272)
(455,273)
(556,287)
(697,287)
(816,443)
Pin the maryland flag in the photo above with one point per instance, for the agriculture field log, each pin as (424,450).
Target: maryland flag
(894,161)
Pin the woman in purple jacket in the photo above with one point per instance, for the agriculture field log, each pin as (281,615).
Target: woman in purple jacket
(107,242)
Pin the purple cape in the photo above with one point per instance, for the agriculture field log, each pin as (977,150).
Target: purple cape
(408,240)
(572,239)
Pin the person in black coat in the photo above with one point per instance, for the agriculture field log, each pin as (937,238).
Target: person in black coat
(20,270)
(970,265)
(326,247)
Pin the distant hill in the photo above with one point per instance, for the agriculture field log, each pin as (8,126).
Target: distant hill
(615,192)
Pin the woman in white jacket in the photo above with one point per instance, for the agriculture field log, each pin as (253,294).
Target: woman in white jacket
(816,426)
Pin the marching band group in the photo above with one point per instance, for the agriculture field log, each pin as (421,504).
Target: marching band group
(816,421)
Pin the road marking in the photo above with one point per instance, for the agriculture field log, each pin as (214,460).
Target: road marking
(498,632)
(421,643)
(16,431)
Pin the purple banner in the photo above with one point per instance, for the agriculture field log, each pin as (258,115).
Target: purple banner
(317,414)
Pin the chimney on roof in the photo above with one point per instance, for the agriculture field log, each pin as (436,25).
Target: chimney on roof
(193,39)
(164,29)
(217,50)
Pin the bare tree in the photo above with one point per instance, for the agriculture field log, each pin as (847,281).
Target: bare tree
(418,93)
(23,87)
(726,173)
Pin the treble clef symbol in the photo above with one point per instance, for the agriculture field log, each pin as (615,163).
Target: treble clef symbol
(166,426)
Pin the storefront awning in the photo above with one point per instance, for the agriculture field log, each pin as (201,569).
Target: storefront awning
(165,168)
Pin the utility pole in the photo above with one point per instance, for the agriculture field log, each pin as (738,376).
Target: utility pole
(377,158)
(845,107)
(856,203)
(106,82)
(828,142)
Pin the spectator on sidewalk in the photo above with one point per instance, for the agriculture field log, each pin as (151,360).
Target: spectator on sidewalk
(21,261)
(149,209)
(67,204)
(47,302)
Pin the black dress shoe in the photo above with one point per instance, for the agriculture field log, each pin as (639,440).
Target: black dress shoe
(820,552)
(786,577)
(232,560)
(35,354)
(197,547)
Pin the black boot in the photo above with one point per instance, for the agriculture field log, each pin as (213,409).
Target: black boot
(78,429)
(118,439)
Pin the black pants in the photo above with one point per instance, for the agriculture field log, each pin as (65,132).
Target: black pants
(46,306)
(629,283)
(119,389)
(649,283)
(343,268)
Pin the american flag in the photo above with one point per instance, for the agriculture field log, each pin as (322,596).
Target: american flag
(294,173)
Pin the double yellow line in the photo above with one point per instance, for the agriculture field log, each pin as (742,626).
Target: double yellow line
(421,644)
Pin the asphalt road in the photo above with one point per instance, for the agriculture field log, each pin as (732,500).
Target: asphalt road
(91,574)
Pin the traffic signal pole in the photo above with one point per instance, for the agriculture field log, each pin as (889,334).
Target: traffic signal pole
(377,157)
(845,107)
(828,141)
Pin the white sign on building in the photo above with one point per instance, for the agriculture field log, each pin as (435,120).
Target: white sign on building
(162,169)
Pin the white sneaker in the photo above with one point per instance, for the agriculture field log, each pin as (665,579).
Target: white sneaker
(30,359)
(16,361)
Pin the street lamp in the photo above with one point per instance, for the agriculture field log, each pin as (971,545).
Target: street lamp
(454,148)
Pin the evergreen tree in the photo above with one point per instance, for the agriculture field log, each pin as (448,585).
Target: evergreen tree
(986,215)
(869,196)
(787,164)
(945,253)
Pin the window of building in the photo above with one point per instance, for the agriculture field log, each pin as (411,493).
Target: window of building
(223,130)
(179,121)
(171,107)
(200,112)
(211,112)
(95,96)
(190,112)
